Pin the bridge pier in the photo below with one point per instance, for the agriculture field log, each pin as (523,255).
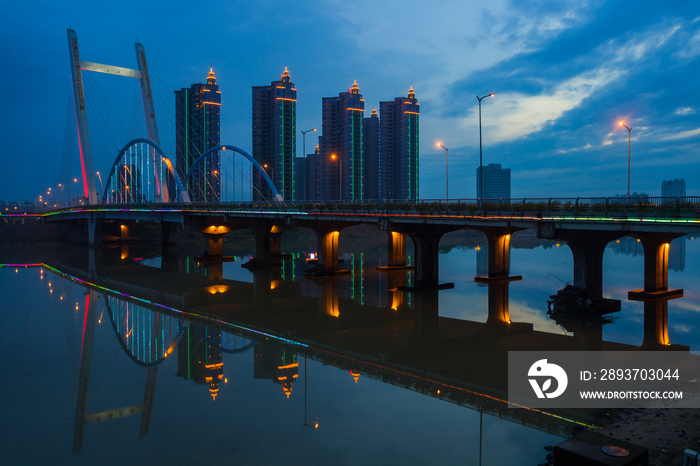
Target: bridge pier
(94,232)
(588,248)
(213,245)
(396,252)
(499,254)
(656,246)
(167,232)
(499,308)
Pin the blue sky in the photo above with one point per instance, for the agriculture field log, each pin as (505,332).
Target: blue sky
(564,73)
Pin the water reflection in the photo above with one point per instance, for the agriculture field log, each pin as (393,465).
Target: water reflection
(175,307)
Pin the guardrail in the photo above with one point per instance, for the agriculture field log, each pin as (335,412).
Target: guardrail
(619,207)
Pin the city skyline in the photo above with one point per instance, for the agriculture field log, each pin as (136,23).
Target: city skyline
(563,77)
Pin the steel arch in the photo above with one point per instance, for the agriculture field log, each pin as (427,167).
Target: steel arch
(183,194)
(277,196)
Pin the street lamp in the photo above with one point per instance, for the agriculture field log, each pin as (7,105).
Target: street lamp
(340,177)
(447,189)
(481,165)
(272,172)
(303,134)
(629,146)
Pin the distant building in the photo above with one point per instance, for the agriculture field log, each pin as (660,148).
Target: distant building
(308,173)
(634,197)
(341,163)
(274,137)
(675,188)
(496,182)
(371,155)
(197,129)
(398,147)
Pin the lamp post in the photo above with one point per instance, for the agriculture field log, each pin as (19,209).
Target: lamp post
(303,133)
(629,146)
(481,165)
(447,184)
(340,177)
(272,173)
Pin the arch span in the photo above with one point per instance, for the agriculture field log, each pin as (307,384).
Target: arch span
(277,196)
(182,196)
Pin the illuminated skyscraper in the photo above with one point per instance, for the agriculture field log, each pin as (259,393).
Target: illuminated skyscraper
(198,359)
(341,170)
(277,364)
(274,137)
(398,147)
(197,129)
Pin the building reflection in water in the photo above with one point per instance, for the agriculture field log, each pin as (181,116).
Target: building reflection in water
(633,247)
(199,357)
(277,364)
(365,323)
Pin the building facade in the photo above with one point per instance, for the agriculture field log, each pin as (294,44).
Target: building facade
(496,182)
(308,176)
(198,129)
(371,155)
(398,147)
(274,137)
(675,188)
(341,163)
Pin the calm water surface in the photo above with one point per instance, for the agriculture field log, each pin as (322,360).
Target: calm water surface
(352,379)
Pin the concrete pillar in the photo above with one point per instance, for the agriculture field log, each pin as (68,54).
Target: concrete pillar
(276,240)
(426,245)
(499,253)
(588,266)
(213,244)
(167,232)
(397,249)
(327,245)
(590,339)
(94,232)
(656,246)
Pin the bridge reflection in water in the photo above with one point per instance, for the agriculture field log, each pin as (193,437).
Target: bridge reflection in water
(400,338)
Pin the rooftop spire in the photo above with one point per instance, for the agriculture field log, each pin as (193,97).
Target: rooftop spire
(374,111)
(411,92)
(285,74)
(211,76)
(355,88)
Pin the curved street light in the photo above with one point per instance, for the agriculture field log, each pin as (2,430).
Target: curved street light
(481,165)
(629,146)
(303,135)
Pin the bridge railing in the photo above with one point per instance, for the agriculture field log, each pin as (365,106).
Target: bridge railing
(632,207)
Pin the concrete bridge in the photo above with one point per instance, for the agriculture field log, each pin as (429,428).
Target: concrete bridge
(586,233)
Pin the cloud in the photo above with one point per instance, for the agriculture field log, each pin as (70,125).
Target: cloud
(682,135)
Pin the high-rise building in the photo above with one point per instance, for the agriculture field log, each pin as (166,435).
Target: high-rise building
(277,364)
(341,164)
(675,188)
(274,137)
(308,177)
(371,155)
(197,129)
(398,147)
(496,182)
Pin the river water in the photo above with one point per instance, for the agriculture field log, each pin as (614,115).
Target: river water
(130,357)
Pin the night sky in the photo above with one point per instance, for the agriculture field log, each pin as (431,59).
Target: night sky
(564,75)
